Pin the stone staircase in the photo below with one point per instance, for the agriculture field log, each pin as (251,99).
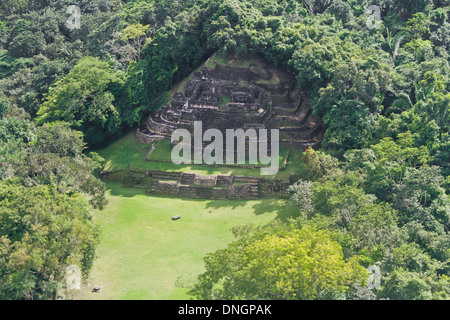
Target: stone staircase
(187,179)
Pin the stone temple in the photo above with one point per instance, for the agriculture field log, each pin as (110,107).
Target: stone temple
(229,96)
(245,93)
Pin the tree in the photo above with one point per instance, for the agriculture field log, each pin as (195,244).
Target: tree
(27,44)
(302,196)
(409,273)
(375,227)
(421,49)
(58,138)
(420,197)
(292,264)
(393,43)
(403,285)
(135,36)
(12,6)
(392,160)
(316,6)
(42,233)
(351,104)
(418,27)
(68,175)
(4,106)
(51,156)
(84,100)
(441,153)
(320,164)
(16,129)
(340,10)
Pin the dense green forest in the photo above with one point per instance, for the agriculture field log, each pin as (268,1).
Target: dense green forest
(378,189)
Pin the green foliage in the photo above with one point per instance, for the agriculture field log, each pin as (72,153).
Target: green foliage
(27,44)
(13,6)
(9,65)
(413,286)
(343,199)
(341,10)
(134,31)
(131,42)
(319,163)
(4,107)
(50,155)
(302,195)
(389,206)
(58,138)
(47,190)
(279,264)
(83,99)
(42,233)
(351,104)
(16,129)
(380,182)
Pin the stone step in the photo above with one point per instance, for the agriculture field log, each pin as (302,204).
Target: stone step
(187,178)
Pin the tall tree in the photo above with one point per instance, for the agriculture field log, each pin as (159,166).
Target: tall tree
(84,99)
(289,264)
(42,233)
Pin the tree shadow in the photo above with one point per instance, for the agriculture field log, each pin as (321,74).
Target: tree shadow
(117,189)
(283,207)
(232,204)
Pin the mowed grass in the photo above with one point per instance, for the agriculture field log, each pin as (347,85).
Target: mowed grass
(163,151)
(127,152)
(143,252)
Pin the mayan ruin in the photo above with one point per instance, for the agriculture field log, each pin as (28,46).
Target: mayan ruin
(227,96)
(230,97)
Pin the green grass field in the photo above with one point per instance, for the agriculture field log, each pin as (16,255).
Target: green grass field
(143,252)
(126,152)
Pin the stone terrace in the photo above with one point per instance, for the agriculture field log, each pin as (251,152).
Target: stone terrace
(189,185)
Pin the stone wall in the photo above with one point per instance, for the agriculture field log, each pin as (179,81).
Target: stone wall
(275,188)
(207,181)
(224,181)
(148,139)
(137,179)
(189,185)
(113,176)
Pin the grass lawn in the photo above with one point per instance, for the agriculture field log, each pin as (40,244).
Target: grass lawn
(163,151)
(143,252)
(225,101)
(127,151)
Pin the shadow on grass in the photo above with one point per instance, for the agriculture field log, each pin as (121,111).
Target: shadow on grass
(117,189)
(283,208)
